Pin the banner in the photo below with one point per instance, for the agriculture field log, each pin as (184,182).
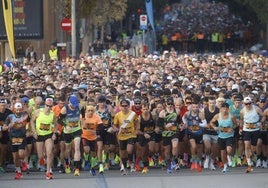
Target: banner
(149,10)
(8,19)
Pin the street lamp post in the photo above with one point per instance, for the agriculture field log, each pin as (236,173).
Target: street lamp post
(73,28)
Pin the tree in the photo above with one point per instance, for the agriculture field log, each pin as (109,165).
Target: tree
(255,11)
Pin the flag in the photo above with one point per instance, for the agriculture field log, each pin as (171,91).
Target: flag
(8,18)
(150,14)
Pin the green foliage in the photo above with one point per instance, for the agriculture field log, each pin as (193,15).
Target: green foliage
(252,10)
(85,7)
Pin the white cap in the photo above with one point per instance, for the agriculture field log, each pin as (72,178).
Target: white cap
(18,105)
(235,86)
(247,100)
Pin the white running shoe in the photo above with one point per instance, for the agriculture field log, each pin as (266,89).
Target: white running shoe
(211,165)
(258,163)
(264,164)
(206,163)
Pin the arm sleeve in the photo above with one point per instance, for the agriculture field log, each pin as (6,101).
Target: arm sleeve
(61,118)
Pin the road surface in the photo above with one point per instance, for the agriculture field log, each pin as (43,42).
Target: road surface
(156,178)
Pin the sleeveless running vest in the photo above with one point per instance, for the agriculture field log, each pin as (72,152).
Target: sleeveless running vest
(225,124)
(147,126)
(44,123)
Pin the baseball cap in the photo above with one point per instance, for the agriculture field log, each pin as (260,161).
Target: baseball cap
(124,101)
(237,98)
(73,100)
(170,100)
(3,101)
(102,98)
(262,98)
(25,99)
(247,100)
(18,105)
(137,100)
(226,105)
(49,101)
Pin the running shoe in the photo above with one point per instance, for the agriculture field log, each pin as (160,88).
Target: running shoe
(31,164)
(48,176)
(220,164)
(230,163)
(87,166)
(234,161)
(101,169)
(61,169)
(77,172)
(225,170)
(258,163)
(249,169)
(151,161)
(133,168)
(198,167)
(169,170)
(239,161)
(160,160)
(175,166)
(18,175)
(94,161)
(193,166)
(92,171)
(137,166)
(67,169)
(123,172)
(117,159)
(211,165)
(2,170)
(145,170)
(24,166)
(264,164)
(206,163)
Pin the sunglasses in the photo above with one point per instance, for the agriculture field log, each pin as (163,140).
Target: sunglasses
(169,103)
(188,103)
(128,91)
(247,104)
(124,106)
(137,103)
(3,101)
(50,106)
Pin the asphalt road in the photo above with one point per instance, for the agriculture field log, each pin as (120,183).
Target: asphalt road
(156,178)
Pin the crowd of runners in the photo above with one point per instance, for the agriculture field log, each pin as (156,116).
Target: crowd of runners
(93,113)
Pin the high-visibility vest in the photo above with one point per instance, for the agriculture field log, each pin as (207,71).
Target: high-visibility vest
(53,54)
(215,37)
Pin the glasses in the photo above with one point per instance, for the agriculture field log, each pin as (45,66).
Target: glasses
(247,104)
(50,106)
(188,102)
(124,106)
(137,103)
(169,103)
(262,101)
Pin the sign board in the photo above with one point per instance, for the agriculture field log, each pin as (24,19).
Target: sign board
(66,24)
(27,19)
(143,22)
